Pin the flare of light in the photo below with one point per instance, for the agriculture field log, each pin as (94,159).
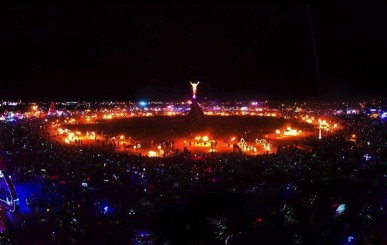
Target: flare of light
(152,154)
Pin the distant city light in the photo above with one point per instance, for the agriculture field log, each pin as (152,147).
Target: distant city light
(142,103)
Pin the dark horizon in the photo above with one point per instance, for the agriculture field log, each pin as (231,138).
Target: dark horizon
(151,52)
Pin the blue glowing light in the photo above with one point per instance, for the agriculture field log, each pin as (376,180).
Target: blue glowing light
(142,103)
(350,240)
(367,157)
(340,209)
(11,198)
(25,191)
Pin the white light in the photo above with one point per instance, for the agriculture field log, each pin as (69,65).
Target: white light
(340,209)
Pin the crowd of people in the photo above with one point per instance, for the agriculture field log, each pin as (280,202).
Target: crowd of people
(333,194)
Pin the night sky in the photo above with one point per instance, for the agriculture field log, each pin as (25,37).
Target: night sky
(133,52)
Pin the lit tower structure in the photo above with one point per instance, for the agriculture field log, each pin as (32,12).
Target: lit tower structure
(52,109)
(194,86)
(322,124)
(195,115)
(319,129)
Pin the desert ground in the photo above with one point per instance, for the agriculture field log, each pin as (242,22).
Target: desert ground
(163,134)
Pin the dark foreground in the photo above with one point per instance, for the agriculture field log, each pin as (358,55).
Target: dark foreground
(83,196)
